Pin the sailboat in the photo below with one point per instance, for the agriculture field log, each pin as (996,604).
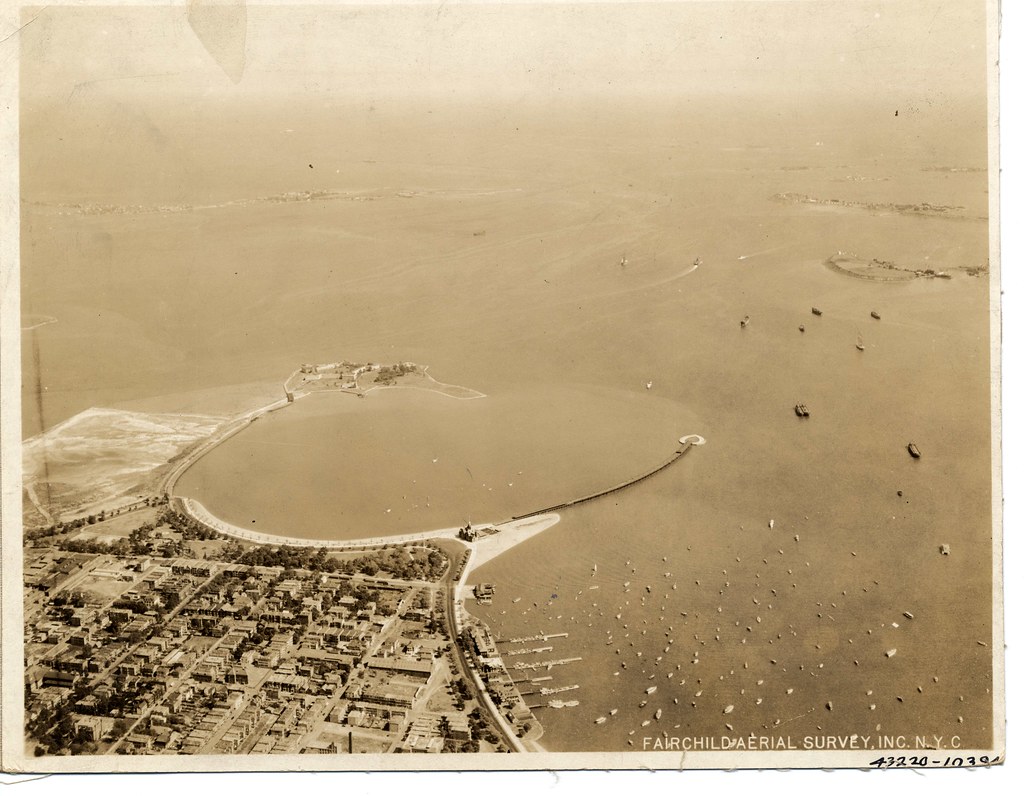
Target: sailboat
(623,262)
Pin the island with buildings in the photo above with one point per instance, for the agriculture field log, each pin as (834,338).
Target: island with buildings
(359,379)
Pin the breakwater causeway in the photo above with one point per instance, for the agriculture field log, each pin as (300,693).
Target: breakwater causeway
(684,445)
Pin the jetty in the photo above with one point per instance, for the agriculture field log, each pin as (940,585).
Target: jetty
(684,445)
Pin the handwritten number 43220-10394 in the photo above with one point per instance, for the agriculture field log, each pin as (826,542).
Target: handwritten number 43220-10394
(917,761)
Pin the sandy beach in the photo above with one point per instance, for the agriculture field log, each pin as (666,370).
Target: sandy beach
(198,512)
(511,534)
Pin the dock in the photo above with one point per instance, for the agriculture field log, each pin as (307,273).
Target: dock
(528,651)
(545,664)
(527,639)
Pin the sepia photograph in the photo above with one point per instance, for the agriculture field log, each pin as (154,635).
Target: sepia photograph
(493,385)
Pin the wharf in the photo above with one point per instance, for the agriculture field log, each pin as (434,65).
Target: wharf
(538,637)
(545,664)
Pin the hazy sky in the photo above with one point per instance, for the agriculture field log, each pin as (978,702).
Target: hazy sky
(922,51)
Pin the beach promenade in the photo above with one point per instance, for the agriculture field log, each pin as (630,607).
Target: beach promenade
(198,512)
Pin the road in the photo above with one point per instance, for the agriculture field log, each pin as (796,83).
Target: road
(475,685)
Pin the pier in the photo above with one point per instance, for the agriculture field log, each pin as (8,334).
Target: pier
(528,651)
(527,639)
(549,691)
(685,443)
(545,664)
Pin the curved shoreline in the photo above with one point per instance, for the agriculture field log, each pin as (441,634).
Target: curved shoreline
(236,424)
(510,532)
(198,512)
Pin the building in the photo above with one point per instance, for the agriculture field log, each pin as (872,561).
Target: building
(414,669)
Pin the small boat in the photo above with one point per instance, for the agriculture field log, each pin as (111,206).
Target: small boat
(623,262)
(875,315)
(643,703)
(860,343)
(652,689)
(657,715)
(801,327)
(698,262)
(613,711)
(815,310)
(600,720)
(913,450)
(745,321)
(649,385)
(801,410)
